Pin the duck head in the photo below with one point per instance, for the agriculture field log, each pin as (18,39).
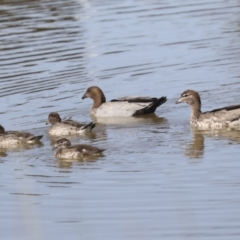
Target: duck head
(63,142)
(190,97)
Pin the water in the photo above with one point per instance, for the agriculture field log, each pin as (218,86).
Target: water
(158,179)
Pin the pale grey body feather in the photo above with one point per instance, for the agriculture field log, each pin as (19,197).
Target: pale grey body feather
(117,109)
(60,129)
(7,141)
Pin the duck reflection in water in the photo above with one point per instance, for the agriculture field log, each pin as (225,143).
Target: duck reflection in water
(3,152)
(69,163)
(195,149)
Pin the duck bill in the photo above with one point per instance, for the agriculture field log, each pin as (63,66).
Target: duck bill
(85,96)
(54,148)
(179,101)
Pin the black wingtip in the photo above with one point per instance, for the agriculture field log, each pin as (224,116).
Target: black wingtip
(152,107)
(93,124)
(39,137)
(90,126)
(36,138)
(162,100)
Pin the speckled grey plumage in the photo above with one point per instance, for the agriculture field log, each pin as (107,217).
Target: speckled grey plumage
(217,118)
(67,151)
(67,127)
(15,138)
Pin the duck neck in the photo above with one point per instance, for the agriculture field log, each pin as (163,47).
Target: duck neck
(98,101)
(196,111)
(59,150)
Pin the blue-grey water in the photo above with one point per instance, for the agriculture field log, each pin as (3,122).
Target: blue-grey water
(158,178)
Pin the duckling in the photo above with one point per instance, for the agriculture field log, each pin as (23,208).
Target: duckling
(67,127)
(15,138)
(67,151)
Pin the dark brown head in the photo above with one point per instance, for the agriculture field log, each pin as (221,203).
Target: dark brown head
(96,94)
(53,118)
(190,97)
(2,130)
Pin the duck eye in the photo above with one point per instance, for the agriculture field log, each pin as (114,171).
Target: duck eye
(185,95)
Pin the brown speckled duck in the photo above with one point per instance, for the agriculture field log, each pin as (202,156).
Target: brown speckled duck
(10,139)
(67,151)
(217,118)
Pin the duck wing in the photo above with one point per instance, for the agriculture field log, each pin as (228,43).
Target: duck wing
(135,99)
(83,126)
(73,123)
(29,137)
(87,149)
(129,106)
(225,114)
(19,134)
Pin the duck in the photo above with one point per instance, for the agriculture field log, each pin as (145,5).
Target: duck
(217,118)
(121,107)
(67,151)
(16,138)
(67,127)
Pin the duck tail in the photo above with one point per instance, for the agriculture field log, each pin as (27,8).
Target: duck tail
(99,151)
(89,126)
(34,139)
(152,107)
(159,102)
(102,150)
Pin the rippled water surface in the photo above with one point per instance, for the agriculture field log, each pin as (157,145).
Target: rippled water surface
(158,178)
